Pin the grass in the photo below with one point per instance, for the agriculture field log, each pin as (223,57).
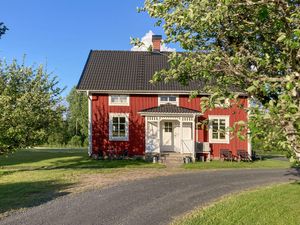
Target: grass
(266,163)
(32,177)
(272,205)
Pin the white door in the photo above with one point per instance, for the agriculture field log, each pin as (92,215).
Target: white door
(167,136)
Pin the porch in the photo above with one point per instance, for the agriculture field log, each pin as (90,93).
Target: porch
(170,129)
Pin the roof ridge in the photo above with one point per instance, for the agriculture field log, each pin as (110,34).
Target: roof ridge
(128,51)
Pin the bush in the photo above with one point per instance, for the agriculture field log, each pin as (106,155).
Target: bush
(56,139)
(86,142)
(75,141)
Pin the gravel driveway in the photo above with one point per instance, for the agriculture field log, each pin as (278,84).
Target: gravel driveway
(149,201)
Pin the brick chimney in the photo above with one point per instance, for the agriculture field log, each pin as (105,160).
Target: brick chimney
(156,41)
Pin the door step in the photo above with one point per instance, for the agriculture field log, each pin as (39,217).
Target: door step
(173,159)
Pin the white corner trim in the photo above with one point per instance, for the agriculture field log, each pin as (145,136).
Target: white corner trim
(110,103)
(126,115)
(227,135)
(249,144)
(90,123)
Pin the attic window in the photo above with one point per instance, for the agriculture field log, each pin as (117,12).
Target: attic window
(119,100)
(168,99)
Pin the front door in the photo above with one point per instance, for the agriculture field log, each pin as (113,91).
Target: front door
(167,136)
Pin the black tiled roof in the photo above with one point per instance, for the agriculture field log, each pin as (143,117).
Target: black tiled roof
(128,71)
(169,108)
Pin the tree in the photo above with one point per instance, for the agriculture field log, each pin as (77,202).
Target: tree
(77,115)
(253,45)
(3,29)
(30,106)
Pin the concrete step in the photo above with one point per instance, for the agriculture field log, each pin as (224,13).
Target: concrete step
(174,159)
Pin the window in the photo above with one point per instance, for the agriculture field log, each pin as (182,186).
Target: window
(168,99)
(218,129)
(119,100)
(118,126)
(168,127)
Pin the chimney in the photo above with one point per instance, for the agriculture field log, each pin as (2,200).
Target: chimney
(156,41)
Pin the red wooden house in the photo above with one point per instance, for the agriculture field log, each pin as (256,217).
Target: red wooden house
(126,111)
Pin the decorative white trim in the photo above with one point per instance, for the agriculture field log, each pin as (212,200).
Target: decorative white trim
(126,115)
(170,114)
(90,123)
(110,103)
(168,102)
(227,122)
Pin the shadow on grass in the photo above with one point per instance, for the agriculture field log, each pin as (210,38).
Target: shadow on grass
(33,156)
(81,163)
(85,163)
(19,195)
(275,157)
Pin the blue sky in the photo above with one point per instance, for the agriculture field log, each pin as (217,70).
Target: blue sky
(60,33)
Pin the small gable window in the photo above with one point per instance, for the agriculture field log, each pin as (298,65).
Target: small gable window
(168,99)
(122,100)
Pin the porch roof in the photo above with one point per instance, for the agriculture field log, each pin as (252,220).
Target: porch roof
(169,109)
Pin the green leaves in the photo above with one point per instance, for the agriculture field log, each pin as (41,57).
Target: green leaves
(30,106)
(253,46)
(282,37)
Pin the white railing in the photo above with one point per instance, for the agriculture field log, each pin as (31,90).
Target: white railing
(188,146)
(152,145)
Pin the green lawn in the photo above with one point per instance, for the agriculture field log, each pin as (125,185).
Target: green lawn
(273,205)
(32,177)
(266,163)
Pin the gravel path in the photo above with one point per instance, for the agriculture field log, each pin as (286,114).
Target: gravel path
(148,201)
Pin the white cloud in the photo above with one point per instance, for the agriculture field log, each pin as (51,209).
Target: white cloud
(147,40)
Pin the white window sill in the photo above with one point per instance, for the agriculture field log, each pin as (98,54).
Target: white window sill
(214,141)
(118,138)
(118,104)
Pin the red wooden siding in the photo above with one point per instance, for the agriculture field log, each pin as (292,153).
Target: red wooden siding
(101,110)
(236,114)
(136,143)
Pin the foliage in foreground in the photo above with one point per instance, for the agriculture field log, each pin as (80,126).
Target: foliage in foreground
(3,29)
(272,205)
(30,106)
(242,46)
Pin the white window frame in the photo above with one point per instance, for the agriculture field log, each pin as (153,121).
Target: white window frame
(126,115)
(118,103)
(210,131)
(168,102)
